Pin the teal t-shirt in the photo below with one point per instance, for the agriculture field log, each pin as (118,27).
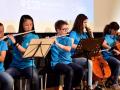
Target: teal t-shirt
(59,55)
(110,39)
(3,47)
(17,60)
(77,37)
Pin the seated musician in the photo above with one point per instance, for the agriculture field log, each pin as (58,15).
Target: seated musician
(61,60)
(110,38)
(23,66)
(78,33)
(6,80)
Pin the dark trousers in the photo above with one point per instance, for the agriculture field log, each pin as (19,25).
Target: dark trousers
(29,73)
(6,81)
(73,74)
(115,68)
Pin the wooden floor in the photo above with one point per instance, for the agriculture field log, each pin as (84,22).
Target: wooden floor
(60,88)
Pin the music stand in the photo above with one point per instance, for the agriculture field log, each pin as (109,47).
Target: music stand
(88,48)
(38,47)
(90,45)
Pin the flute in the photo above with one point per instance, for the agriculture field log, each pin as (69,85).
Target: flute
(58,36)
(17,34)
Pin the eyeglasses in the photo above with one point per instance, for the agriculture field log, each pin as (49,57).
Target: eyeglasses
(64,29)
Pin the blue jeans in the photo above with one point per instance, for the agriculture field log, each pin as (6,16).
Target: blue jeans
(73,74)
(29,73)
(115,68)
(6,81)
(83,62)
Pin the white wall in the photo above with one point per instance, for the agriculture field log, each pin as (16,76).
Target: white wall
(105,11)
(44,12)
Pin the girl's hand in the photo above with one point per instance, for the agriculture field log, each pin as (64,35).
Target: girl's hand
(12,38)
(56,42)
(117,52)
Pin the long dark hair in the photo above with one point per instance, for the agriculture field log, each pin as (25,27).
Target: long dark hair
(22,20)
(109,27)
(21,29)
(78,24)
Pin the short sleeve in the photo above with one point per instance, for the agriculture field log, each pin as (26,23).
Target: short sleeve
(69,41)
(72,34)
(28,39)
(4,46)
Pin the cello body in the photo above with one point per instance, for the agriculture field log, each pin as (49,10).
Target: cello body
(101,68)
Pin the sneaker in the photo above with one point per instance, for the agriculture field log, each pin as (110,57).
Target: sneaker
(95,85)
(99,88)
(108,83)
(115,87)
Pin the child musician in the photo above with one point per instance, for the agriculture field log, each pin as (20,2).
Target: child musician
(6,80)
(61,60)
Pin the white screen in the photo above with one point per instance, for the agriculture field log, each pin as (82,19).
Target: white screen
(44,12)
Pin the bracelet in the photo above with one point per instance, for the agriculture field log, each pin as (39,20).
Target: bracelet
(15,44)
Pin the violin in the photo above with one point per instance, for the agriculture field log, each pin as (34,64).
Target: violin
(117,47)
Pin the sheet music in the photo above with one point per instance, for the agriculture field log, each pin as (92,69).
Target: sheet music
(38,47)
(90,45)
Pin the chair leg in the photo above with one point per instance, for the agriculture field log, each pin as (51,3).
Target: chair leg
(45,81)
(41,80)
(21,84)
(26,84)
(13,87)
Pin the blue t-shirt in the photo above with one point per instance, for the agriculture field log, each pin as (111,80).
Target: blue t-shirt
(59,55)
(77,37)
(3,47)
(110,39)
(18,61)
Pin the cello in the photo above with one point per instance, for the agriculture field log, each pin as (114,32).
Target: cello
(101,69)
